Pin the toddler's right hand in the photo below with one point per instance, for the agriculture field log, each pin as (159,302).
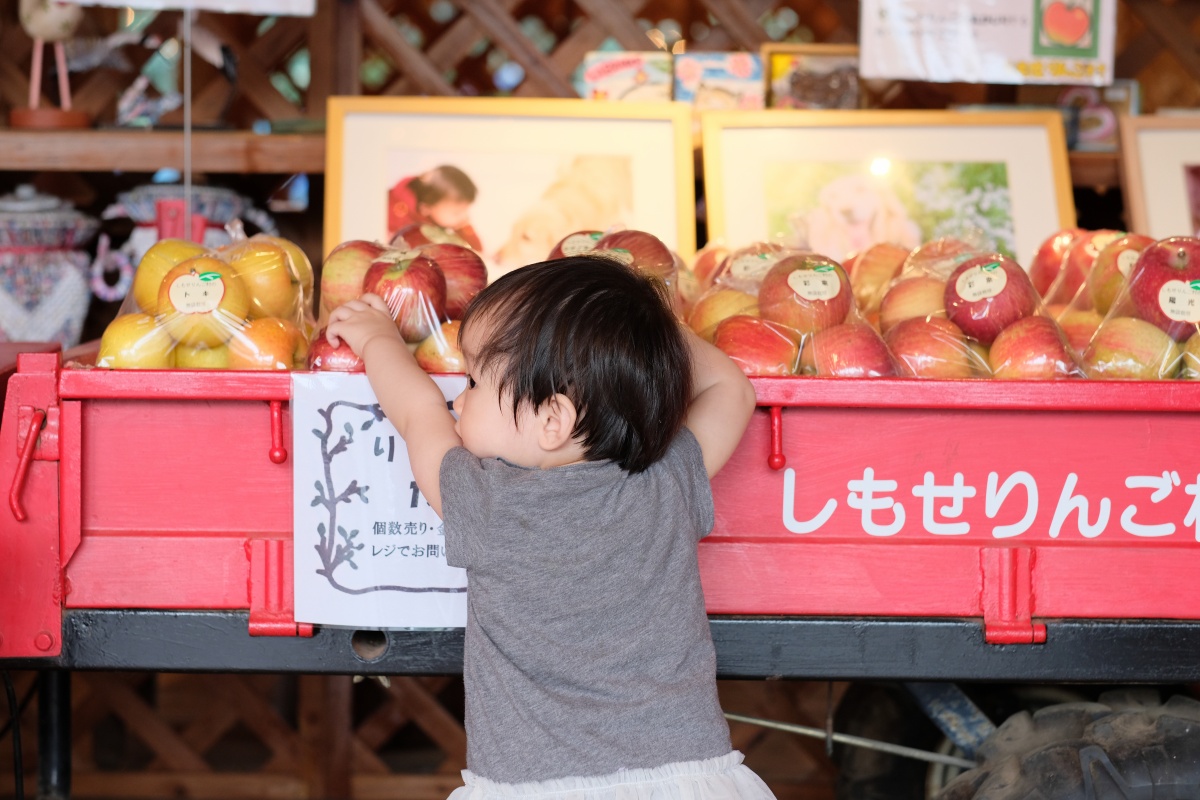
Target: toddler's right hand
(360,321)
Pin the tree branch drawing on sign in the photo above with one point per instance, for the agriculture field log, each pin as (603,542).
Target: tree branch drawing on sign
(336,545)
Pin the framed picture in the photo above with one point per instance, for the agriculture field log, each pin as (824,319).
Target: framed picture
(531,171)
(838,181)
(811,75)
(1160,160)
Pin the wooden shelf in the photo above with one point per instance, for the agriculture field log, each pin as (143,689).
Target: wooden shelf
(148,151)
(1098,171)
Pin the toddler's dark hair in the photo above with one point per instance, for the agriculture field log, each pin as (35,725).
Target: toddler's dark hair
(442,182)
(600,333)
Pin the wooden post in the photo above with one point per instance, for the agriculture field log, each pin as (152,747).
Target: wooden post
(326,729)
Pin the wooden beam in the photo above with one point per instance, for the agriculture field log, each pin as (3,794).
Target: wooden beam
(156,785)
(326,730)
(379,28)
(618,21)
(450,47)
(432,717)
(148,726)
(322,56)
(348,47)
(252,80)
(742,27)
(503,30)
(1170,25)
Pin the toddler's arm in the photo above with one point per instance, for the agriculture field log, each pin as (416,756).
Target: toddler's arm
(408,396)
(722,402)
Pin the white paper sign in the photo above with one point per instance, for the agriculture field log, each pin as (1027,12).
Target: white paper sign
(369,550)
(297,8)
(988,41)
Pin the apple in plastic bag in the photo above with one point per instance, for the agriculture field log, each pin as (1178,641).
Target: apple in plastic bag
(1032,348)
(745,267)
(1047,262)
(758,346)
(343,270)
(849,350)
(806,291)
(1077,266)
(420,233)
(163,256)
(440,351)
(265,343)
(324,357)
(266,269)
(985,294)
(872,270)
(465,272)
(717,305)
(1190,368)
(644,251)
(135,341)
(575,244)
(1079,325)
(1165,285)
(931,347)
(201,357)
(414,289)
(202,301)
(1112,267)
(1127,347)
(917,297)
(707,263)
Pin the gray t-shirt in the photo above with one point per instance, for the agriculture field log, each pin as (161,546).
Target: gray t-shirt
(587,643)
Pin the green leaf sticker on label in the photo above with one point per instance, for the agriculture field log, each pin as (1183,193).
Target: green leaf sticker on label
(210,276)
(823,268)
(1195,285)
(991,266)
(596,236)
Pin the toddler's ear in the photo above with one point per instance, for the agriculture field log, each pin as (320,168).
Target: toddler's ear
(556,422)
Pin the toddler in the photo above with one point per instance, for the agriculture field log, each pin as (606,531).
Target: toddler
(574,489)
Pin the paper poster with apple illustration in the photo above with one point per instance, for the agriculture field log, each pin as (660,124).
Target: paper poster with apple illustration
(1065,28)
(369,550)
(841,207)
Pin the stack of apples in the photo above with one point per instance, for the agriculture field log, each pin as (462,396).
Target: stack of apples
(427,280)
(1151,331)
(244,306)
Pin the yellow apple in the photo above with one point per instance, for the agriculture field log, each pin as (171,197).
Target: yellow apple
(201,357)
(265,343)
(301,266)
(440,351)
(202,301)
(135,341)
(162,256)
(300,344)
(266,270)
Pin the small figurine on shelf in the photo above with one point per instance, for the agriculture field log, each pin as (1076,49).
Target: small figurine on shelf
(49,21)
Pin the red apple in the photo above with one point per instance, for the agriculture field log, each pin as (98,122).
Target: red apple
(758,346)
(264,343)
(717,305)
(343,271)
(420,233)
(1077,266)
(324,357)
(872,270)
(465,272)
(574,244)
(917,297)
(931,347)
(985,294)
(1127,347)
(806,291)
(1048,260)
(937,257)
(1112,267)
(1079,325)
(850,350)
(1191,359)
(440,352)
(1032,348)
(645,251)
(745,267)
(413,288)
(1165,285)
(708,261)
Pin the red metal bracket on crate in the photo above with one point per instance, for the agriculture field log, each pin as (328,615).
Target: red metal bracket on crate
(272,603)
(1007,598)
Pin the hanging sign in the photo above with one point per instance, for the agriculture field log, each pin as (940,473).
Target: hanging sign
(369,550)
(988,41)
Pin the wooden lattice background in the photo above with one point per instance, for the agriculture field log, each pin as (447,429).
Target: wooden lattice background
(248,736)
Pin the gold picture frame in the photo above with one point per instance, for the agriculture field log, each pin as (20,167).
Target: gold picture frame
(1160,173)
(838,181)
(543,168)
(811,76)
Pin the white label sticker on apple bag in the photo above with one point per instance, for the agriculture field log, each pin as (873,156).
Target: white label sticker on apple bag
(752,266)
(579,243)
(1180,300)
(981,282)
(821,283)
(197,292)
(1126,259)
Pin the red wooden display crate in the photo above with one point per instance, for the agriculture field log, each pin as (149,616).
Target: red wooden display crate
(173,490)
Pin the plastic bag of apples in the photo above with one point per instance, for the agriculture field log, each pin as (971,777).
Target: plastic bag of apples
(960,310)
(244,306)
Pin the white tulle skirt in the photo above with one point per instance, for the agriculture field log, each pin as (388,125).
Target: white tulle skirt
(721,778)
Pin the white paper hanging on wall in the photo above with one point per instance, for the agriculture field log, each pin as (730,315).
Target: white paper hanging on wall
(291,8)
(369,550)
(988,41)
